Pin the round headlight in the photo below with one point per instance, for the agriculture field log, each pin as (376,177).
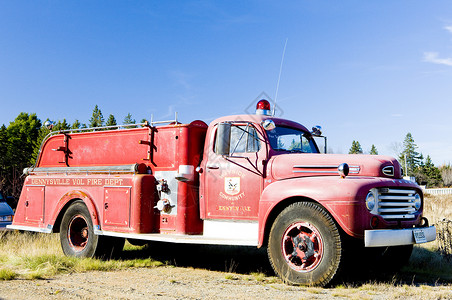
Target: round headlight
(370,201)
(417,201)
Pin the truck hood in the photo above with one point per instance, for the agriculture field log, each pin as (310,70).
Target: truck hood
(306,165)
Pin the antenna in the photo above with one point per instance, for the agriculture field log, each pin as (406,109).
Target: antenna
(279,77)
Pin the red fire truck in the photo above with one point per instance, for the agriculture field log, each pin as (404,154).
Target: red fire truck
(243,180)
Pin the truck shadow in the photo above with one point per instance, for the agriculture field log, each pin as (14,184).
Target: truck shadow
(246,260)
(234,259)
(425,267)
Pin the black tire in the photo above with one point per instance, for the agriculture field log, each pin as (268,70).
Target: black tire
(77,235)
(304,246)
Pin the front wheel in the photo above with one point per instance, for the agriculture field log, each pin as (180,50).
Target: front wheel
(304,245)
(77,235)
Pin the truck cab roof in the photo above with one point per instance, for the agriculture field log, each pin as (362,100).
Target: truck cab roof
(258,119)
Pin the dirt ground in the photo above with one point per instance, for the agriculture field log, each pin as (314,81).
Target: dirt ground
(155,283)
(189,283)
(198,272)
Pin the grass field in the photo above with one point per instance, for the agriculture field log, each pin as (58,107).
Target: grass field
(37,256)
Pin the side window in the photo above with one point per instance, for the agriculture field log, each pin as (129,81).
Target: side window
(253,140)
(238,139)
(243,139)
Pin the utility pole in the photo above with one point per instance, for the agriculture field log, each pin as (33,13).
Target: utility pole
(406,166)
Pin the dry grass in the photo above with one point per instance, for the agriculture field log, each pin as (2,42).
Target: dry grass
(438,210)
(37,256)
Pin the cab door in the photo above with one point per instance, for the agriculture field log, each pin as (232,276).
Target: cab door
(233,180)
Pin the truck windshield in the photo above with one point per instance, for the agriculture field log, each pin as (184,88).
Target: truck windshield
(291,140)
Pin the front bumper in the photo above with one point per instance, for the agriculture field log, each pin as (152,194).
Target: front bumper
(399,237)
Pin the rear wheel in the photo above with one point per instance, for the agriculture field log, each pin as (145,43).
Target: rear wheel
(77,235)
(304,245)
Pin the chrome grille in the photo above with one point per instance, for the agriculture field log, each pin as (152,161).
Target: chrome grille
(395,204)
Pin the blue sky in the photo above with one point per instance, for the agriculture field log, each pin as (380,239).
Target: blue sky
(369,71)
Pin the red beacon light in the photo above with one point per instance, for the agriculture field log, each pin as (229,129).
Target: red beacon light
(263,108)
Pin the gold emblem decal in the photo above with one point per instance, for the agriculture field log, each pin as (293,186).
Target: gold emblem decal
(232,185)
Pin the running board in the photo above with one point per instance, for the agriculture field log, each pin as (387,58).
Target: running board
(180,238)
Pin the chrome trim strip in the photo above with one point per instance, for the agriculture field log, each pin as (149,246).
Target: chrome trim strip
(395,191)
(315,167)
(401,217)
(401,204)
(353,169)
(406,198)
(388,171)
(323,167)
(48,229)
(329,172)
(408,210)
(133,168)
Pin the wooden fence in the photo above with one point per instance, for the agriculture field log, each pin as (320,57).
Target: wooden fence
(444,191)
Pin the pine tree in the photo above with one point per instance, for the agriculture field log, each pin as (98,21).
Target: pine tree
(373,150)
(111,121)
(21,137)
(62,125)
(294,145)
(3,153)
(128,119)
(76,125)
(356,148)
(429,174)
(22,133)
(97,119)
(410,155)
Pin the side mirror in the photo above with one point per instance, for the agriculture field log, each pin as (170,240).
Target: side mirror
(268,125)
(316,130)
(223,140)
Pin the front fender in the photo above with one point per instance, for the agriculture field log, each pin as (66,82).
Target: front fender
(343,198)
